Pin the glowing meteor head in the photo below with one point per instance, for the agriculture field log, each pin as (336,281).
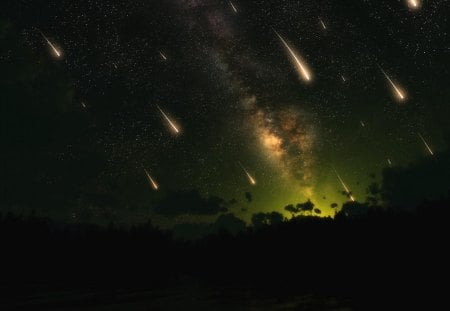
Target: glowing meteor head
(57,52)
(251,179)
(399,93)
(414,4)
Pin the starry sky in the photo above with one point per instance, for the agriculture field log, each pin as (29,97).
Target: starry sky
(220,72)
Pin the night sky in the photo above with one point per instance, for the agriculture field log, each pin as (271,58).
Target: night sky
(231,87)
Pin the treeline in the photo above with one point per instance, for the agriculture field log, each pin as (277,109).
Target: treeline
(382,250)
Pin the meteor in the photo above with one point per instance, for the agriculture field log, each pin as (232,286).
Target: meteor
(345,186)
(362,123)
(152,182)
(343,78)
(399,93)
(300,66)
(162,55)
(55,50)
(233,7)
(414,4)
(389,162)
(323,24)
(83,104)
(250,177)
(172,125)
(426,144)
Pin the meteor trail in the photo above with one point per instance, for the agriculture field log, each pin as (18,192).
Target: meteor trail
(172,125)
(152,182)
(345,186)
(301,67)
(426,144)
(162,55)
(343,78)
(233,7)
(55,50)
(400,94)
(389,162)
(362,123)
(323,24)
(250,177)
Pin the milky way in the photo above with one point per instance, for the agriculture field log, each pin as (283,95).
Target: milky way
(229,85)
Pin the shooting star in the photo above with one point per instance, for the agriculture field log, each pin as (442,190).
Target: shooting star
(362,123)
(397,90)
(152,182)
(83,104)
(426,144)
(300,66)
(345,186)
(389,162)
(52,46)
(323,24)
(169,121)
(233,7)
(414,4)
(250,177)
(162,55)
(343,78)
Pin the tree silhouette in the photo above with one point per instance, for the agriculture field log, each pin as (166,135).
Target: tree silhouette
(353,209)
(265,219)
(291,209)
(374,193)
(307,206)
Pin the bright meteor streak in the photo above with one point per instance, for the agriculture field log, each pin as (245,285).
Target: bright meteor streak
(400,94)
(151,181)
(250,177)
(233,7)
(162,55)
(172,125)
(426,144)
(323,24)
(301,67)
(55,50)
(345,186)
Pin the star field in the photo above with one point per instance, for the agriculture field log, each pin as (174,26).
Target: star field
(225,78)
